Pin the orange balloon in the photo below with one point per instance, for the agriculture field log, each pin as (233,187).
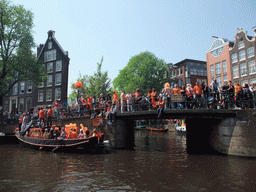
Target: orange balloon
(78,84)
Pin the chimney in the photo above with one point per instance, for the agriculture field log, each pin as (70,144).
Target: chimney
(51,34)
(254,30)
(39,49)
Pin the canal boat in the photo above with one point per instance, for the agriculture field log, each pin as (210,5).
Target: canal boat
(34,140)
(181,128)
(157,129)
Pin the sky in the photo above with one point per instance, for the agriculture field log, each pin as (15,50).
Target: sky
(120,29)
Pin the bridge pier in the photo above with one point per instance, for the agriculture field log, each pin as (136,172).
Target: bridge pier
(121,133)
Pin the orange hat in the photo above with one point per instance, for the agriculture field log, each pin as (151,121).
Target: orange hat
(114,91)
(137,89)
(53,125)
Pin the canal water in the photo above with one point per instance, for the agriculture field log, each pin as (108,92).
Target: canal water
(159,162)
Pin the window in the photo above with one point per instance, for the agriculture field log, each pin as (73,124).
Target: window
(234,57)
(48,94)
(58,65)
(57,94)
(58,79)
(173,74)
(195,72)
(15,89)
(178,72)
(50,55)
(181,71)
(49,45)
(240,44)
(212,71)
(243,69)
(253,81)
(217,47)
(49,80)
(50,67)
(21,104)
(225,78)
(250,52)
(29,87)
(22,87)
(217,68)
(251,65)
(224,66)
(202,72)
(242,55)
(219,81)
(235,72)
(180,82)
(40,95)
(28,103)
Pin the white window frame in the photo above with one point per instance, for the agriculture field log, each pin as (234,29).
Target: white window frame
(173,73)
(50,67)
(250,52)
(57,93)
(49,81)
(225,78)
(178,72)
(243,69)
(15,89)
(58,65)
(22,87)
(240,44)
(242,55)
(57,81)
(40,95)
(234,58)
(219,81)
(50,55)
(235,72)
(252,67)
(48,94)
(218,68)
(22,102)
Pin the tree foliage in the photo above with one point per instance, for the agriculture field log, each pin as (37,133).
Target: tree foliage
(144,71)
(96,84)
(17,60)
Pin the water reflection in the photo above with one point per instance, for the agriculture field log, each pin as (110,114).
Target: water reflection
(158,163)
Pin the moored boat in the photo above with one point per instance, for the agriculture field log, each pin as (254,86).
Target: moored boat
(157,129)
(91,144)
(181,128)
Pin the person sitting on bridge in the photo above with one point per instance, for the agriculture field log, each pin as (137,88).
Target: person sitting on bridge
(112,112)
(154,98)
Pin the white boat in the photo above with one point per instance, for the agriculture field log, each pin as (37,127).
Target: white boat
(181,128)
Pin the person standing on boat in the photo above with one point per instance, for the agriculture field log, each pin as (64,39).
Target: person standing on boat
(63,134)
(49,116)
(20,121)
(41,117)
(24,122)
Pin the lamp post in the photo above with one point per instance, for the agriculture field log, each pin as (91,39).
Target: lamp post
(78,85)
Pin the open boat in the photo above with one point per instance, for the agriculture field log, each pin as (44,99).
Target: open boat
(91,144)
(157,129)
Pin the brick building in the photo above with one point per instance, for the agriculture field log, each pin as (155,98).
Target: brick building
(242,57)
(188,71)
(25,95)
(218,61)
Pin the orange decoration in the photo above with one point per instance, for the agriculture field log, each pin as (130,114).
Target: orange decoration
(78,84)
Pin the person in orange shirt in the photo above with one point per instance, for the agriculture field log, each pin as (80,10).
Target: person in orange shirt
(73,134)
(89,102)
(115,99)
(198,91)
(154,98)
(176,91)
(41,117)
(123,100)
(49,116)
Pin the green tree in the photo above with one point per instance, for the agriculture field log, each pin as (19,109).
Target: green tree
(144,71)
(99,82)
(17,60)
(83,90)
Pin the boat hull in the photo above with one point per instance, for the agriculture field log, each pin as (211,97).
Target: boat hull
(157,129)
(69,145)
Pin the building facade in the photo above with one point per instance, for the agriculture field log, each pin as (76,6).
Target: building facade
(218,62)
(188,71)
(24,95)
(242,58)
